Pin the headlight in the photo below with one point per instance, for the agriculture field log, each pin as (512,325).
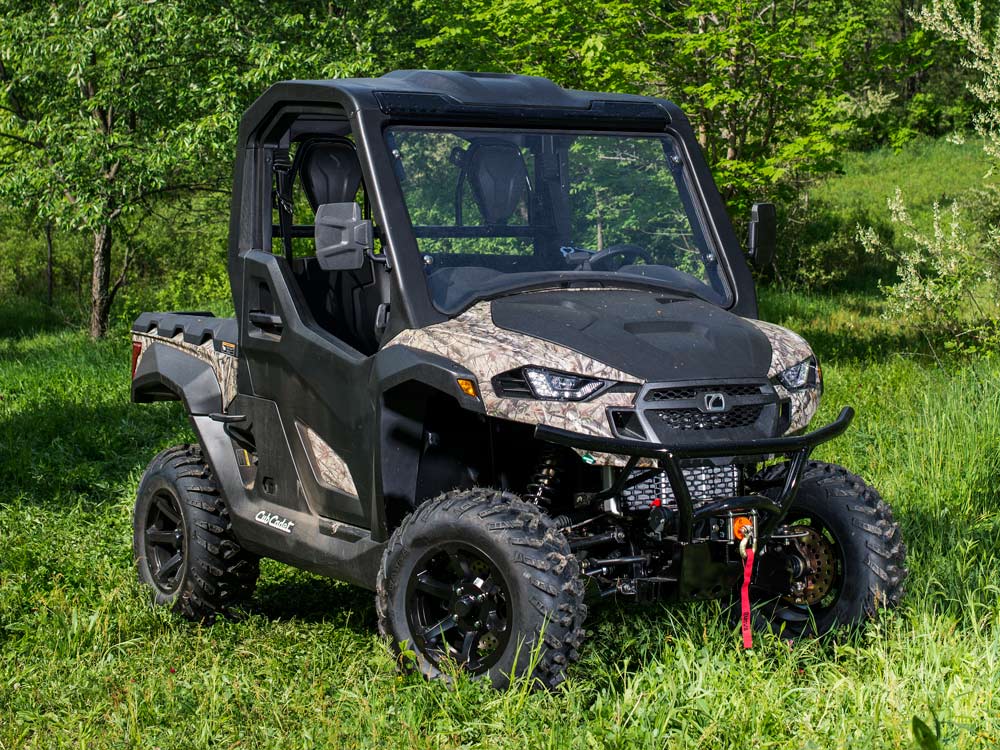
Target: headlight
(560,386)
(800,375)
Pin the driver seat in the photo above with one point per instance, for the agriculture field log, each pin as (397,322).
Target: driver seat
(498,177)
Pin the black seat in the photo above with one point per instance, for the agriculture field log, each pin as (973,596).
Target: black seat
(329,171)
(498,177)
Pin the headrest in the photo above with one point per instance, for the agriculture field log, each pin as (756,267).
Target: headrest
(329,170)
(498,178)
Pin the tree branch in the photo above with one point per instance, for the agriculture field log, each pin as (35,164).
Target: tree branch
(18,107)
(20,139)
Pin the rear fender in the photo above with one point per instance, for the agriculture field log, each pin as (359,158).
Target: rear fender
(166,373)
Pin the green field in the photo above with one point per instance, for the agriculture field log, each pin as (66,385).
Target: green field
(85,662)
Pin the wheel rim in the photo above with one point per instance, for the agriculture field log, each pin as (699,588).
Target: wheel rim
(165,542)
(458,607)
(815,563)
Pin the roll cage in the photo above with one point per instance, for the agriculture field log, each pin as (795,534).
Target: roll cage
(362,109)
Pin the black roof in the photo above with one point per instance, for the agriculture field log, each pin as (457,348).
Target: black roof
(447,92)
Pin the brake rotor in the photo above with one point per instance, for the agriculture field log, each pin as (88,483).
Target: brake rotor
(821,567)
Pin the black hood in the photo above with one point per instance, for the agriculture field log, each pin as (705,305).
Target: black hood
(655,336)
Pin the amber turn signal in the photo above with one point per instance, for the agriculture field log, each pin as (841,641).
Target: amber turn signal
(468,387)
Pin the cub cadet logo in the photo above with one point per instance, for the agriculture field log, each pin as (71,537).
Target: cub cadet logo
(275,521)
(715,402)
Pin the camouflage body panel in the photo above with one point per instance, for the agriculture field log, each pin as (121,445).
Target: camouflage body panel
(804,405)
(477,343)
(329,469)
(487,350)
(223,363)
(787,349)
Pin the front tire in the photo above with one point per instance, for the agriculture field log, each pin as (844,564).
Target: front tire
(848,563)
(479,580)
(183,542)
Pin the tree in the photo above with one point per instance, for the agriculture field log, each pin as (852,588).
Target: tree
(761,80)
(107,106)
(758,79)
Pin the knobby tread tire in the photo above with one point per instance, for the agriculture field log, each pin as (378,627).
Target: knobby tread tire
(218,574)
(844,498)
(530,550)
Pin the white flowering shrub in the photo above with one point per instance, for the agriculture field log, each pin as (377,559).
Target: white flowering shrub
(941,273)
(945,19)
(948,276)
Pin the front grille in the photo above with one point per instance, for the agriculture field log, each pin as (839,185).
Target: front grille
(706,411)
(703,482)
(685,393)
(695,419)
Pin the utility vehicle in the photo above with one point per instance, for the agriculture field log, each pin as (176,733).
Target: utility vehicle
(496,354)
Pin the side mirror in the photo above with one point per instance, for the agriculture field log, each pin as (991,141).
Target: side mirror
(342,236)
(763,234)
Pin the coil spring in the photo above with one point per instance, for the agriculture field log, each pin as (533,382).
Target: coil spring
(543,488)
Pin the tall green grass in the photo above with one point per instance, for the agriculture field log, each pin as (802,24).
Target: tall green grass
(926,170)
(85,662)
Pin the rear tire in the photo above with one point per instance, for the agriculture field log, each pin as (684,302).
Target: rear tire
(183,542)
(853,558)
(477,580)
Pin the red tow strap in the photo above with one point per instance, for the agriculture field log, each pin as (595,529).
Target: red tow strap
(745,601)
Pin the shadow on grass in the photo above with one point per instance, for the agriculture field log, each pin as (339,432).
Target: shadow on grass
(63,453)
(864,346)
(21,318)
(288,594)
(846,327)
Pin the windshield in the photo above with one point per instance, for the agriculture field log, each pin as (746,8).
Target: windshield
(495,211)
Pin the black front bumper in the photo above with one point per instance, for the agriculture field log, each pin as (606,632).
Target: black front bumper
(797,447)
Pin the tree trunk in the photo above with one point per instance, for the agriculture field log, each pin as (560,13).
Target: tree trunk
(48,260)
(100,299)
(600,220)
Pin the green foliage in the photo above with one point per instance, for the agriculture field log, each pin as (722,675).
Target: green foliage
(982,58)
(759,85)
(110,104)
(949,276)
(820,248)
(942,274)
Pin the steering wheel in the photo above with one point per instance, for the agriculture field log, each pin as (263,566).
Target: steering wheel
(629,251)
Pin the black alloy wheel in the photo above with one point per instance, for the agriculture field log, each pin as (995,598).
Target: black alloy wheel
(183,541)
(165,541)
(458,607)
(479,581)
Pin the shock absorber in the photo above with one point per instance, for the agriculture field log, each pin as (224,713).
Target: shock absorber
(545,483)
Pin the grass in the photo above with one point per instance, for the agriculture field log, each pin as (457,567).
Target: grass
(85,662)
(926,170)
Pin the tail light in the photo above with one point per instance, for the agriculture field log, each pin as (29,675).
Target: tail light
(136,351)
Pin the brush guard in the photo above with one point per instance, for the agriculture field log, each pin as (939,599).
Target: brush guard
(698,571)
(797,448)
